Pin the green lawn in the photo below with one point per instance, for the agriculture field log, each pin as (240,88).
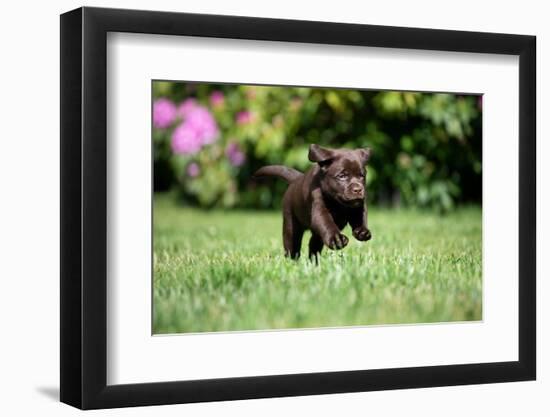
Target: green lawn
(224,270)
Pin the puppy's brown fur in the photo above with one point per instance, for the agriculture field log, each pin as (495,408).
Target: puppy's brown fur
(324,200)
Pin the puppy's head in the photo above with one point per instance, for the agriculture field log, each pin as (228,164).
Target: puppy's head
(342,173)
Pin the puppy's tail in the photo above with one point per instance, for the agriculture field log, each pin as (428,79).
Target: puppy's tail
(279,171)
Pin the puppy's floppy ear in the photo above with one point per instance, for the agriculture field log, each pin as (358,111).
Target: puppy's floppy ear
(365,155)
(322,156)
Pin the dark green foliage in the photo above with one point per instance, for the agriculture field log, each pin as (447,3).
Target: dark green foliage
(426,147)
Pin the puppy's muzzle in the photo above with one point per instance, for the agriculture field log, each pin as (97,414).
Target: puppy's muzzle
(357,192)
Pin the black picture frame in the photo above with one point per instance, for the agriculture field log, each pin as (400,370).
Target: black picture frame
(84,207)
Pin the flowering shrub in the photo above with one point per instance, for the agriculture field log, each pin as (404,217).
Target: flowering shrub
(197,129)
(209,139)
(234,154)
(164,113)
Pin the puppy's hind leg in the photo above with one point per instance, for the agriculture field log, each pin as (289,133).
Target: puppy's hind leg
(315,247)
(292,236)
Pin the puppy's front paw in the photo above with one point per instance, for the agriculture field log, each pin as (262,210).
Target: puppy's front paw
(336,241)
(362,234)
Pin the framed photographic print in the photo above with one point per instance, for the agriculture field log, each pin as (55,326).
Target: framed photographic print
(257,207)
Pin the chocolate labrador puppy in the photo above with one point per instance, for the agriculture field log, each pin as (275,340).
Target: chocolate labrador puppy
(328,196)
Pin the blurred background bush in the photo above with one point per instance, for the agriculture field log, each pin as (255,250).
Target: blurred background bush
(209,139)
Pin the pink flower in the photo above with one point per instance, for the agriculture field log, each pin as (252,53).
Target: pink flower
(185,141)
(187,106)
(164,113)
(234,154)
(244,117)
(198,128)
(193,170)
(217,99)
(201,121)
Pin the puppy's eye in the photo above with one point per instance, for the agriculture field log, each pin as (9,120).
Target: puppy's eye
(342,175)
